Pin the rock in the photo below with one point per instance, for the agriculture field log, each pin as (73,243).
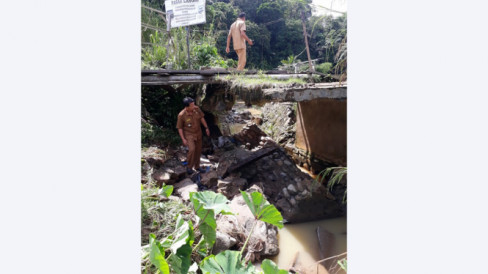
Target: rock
(153,156)
(292,189)
(213,158)
(180,172)
(258,121)
(279,162)
(299,186)
(230,186)
(285,193)
(184,188)
(288,163)
(263,241)
(279,121)
(223,242)
(162,176)
(229,225)
(293,202)
(251,134)
(209,179)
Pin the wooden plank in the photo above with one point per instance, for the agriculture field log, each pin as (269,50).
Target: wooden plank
(253,157)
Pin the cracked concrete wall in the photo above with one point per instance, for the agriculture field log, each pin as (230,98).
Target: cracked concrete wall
(321,129)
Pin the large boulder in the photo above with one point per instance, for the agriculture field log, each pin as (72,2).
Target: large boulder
(184,187)
(171,172)
(263,241)
(209,179)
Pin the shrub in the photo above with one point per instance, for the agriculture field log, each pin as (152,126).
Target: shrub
(324,67)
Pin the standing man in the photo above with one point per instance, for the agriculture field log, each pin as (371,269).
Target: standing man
(188,125)
(238,33)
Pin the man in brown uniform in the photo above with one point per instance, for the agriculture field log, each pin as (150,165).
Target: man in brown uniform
(188,126)
(238,33)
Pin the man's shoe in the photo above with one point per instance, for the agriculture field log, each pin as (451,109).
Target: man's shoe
(201,170)
(189,171)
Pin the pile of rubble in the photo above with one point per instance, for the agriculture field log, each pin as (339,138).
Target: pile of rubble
(249,161)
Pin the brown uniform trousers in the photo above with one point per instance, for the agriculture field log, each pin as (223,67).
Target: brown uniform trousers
(190,124)
(194,150)
(241,54)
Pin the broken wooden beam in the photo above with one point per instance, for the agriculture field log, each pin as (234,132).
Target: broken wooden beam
(253,157)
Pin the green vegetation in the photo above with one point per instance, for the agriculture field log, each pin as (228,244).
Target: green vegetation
(159,113)
(155,135)
(158,217)
(275,26)
(260,80)
(179,251)
(336,174)
(343,264)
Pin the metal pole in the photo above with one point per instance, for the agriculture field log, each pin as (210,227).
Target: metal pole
(306,42)
(169,65)
(188,45)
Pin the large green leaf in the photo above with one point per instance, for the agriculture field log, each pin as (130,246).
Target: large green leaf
(262,209)
(180,262)
(209,234)
(212,201)
(226,262)
(166,191)
(182,234)
(269,267)
(205,215)
(156,255)
(208,224)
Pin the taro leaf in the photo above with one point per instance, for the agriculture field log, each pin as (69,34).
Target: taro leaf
(212,201)
(180,262)
(166,242)
(269,267)
(209,234)
(166,191)
(262,209)
(156,256)
(205,215)
(182,234)
(226,262)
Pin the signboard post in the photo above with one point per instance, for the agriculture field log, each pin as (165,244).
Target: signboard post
(184,13)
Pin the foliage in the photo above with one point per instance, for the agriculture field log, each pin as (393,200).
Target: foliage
(226,262)
(159,217)
(324,67)
(207,205)
(262,209)
(343,264)
(166,190)
(157,255)
(261,80)
(179,244)
(155,135)
(336,174)
(275,26)
(160,128)
(269,267)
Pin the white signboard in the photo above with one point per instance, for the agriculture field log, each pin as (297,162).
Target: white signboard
(185,12)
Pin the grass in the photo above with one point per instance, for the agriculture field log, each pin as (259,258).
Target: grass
(159,217)
(260,80)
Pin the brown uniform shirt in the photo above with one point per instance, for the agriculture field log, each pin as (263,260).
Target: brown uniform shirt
(235,31)
(190,122)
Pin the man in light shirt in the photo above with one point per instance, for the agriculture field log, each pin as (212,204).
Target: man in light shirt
(238,34)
